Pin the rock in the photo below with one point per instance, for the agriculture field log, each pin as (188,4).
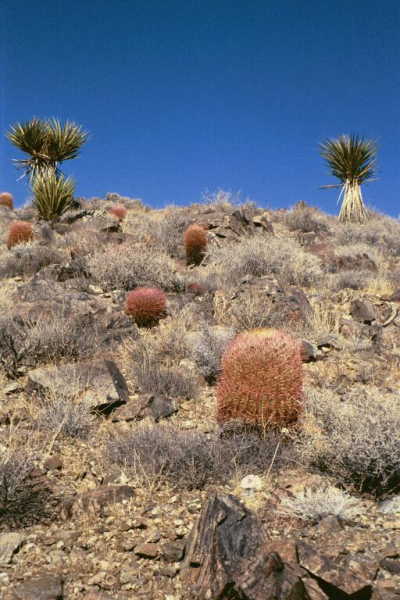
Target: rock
(148,550)
(99,383)
(328,341)
(173,551)
(251,484)
(308,351)
(261,221)
(53,463)
(12,388)
(46,587)
(99,497)
(227,557)
(10,542)
(145,405)
(363,311)
(390,506)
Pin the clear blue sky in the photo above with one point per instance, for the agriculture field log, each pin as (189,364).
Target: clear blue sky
(184,96)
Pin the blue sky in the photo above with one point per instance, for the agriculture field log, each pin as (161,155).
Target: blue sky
(181,97)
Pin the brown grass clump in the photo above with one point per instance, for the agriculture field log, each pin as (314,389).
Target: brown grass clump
(261,381)
(7,199)
(195,240)
(19,232)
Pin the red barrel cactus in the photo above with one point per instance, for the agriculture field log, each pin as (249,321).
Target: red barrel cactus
(261,379)
(146,305)
(195,240)
(19,233)
(7,199)
(118,211)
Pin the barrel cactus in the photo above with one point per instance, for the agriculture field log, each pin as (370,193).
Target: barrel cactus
(118,211)
(7,199)
(146,305)
(195,240)
(261,379)
(19,233)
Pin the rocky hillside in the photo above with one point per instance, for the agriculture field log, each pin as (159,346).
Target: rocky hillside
(120,480)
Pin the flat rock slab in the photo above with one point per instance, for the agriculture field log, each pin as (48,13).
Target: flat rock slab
(99,383)
(96,499)
(9,543)
(47,587)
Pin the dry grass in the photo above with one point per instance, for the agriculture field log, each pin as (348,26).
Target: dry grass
(355,440)
(261,255)
(125,266)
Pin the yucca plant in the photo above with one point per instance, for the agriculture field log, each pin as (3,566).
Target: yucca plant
(352,160)
(47,142)
(53,194)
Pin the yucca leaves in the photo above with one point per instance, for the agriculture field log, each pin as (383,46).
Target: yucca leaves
(53,195)
(350,157)
(352,160)
(48,142)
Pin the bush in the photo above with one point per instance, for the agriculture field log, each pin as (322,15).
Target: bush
(7,199)
(170,381)
(195,240)
(171,228)
(261,379)
(119,211)
(191,460)
(52,336)
(19,232)
(146,305)
(305,219)
(60,415)
(53,195)
(261,255)
(22,499)
(207,348)
(355,440)
(316,502)
(126,267)
(28,260)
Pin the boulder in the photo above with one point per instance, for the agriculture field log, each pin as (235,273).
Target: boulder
(45,587)
(363,311)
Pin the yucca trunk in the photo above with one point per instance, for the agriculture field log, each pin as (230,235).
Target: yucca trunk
(353,208)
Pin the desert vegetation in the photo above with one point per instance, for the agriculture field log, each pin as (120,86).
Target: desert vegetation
(152,358)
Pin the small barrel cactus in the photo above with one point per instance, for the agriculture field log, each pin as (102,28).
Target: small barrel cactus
(19,233)
(261,379)
(146,305)
(118,211)
(7,199)
(195,240)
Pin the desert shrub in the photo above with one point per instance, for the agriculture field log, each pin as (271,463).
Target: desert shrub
(126,267)
(165,380)
(319,501)
(61,415)
(52,336)
(206,348)
(53,195)
(28,259)
(355,440)
(195,240)
(146,305)
(19,232)
(7,199)
(119,211)
(191,460)
(379,232)
(251,311)
(305,219)
(261,379)
(353,280)
(22,499)
(170,229)
(260,255)
(129,203)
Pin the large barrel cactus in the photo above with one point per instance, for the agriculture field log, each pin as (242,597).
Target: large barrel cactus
(261,379)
